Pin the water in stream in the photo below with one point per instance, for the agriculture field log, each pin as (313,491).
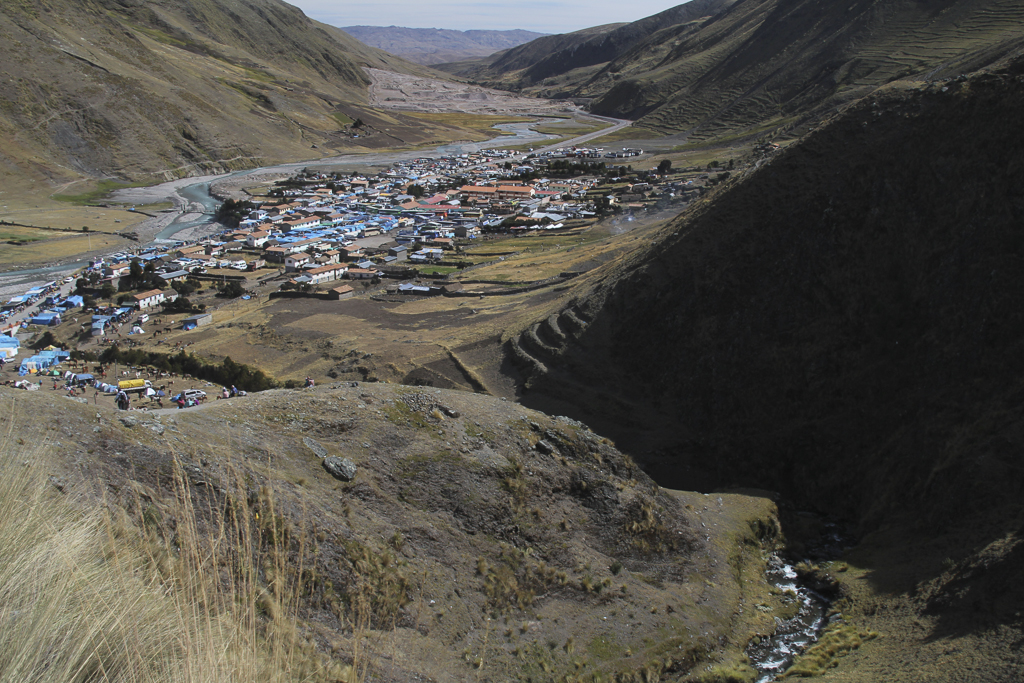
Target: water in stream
(774,654)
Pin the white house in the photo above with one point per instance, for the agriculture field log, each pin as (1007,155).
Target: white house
(257,239)
(153,297)
(293,262)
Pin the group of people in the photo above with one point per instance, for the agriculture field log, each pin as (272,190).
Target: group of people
(230,393)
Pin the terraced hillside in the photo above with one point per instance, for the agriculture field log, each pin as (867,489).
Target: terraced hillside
(141,89)
(578,55)
(782,63)
(758,66)
(842,325)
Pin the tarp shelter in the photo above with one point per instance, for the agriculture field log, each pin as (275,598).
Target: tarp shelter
(73,301)
(46,318)
(15,302)
(35,364)
(83,378)
(9,341)
(137,330)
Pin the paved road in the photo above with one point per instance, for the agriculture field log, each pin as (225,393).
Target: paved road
(618,124)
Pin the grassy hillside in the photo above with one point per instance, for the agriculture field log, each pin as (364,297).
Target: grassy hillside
(145,90)
(842,325)
(791,60)
(502,68)
(211,544)
(716,69)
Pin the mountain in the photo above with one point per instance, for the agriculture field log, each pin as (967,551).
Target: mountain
(574,52)
(147,89)
(724,67)
(436,45)
(841,325)
(494,68)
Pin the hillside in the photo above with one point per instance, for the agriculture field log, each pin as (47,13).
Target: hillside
(501,67)
(151,89)
(474,540)
(842,325)
(435,45)
(579,54)
(723,68)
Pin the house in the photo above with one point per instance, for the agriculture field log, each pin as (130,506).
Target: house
(515,192)
(352,253)
(401,253)
(173,276)
(329,257)
(294,262)
(197,321)
(257,239)
(117,269)
(302,223)
(361,273)
(153,297)
(275,254)
(327,273)
(343,292)
(479,192)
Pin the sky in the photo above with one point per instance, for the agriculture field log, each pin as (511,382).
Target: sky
(550,16)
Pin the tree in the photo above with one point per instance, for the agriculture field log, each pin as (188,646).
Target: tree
(416,191)
(232,290)
(664,167)
(107,290)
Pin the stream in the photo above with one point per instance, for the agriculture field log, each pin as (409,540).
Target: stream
(774,654)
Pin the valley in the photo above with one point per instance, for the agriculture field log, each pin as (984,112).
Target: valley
(685,349)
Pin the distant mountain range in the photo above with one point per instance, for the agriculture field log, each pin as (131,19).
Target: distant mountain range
(719,67)
(436,45)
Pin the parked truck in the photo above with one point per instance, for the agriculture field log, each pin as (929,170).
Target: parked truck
(135,385)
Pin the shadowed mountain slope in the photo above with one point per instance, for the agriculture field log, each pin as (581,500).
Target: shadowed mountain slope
(842,325)
(137,87)
(831,316)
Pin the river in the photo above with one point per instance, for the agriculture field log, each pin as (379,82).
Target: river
(196,205)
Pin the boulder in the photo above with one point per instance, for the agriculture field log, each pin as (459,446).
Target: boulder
(340,468)
(318,450)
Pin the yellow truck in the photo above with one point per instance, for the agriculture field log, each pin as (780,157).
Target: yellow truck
(135,385)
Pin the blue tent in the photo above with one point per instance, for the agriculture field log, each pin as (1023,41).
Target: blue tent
(47,318)
(6,341)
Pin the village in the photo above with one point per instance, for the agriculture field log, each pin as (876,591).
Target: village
(401,232)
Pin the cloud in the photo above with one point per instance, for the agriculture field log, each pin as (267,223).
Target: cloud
(544,17)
